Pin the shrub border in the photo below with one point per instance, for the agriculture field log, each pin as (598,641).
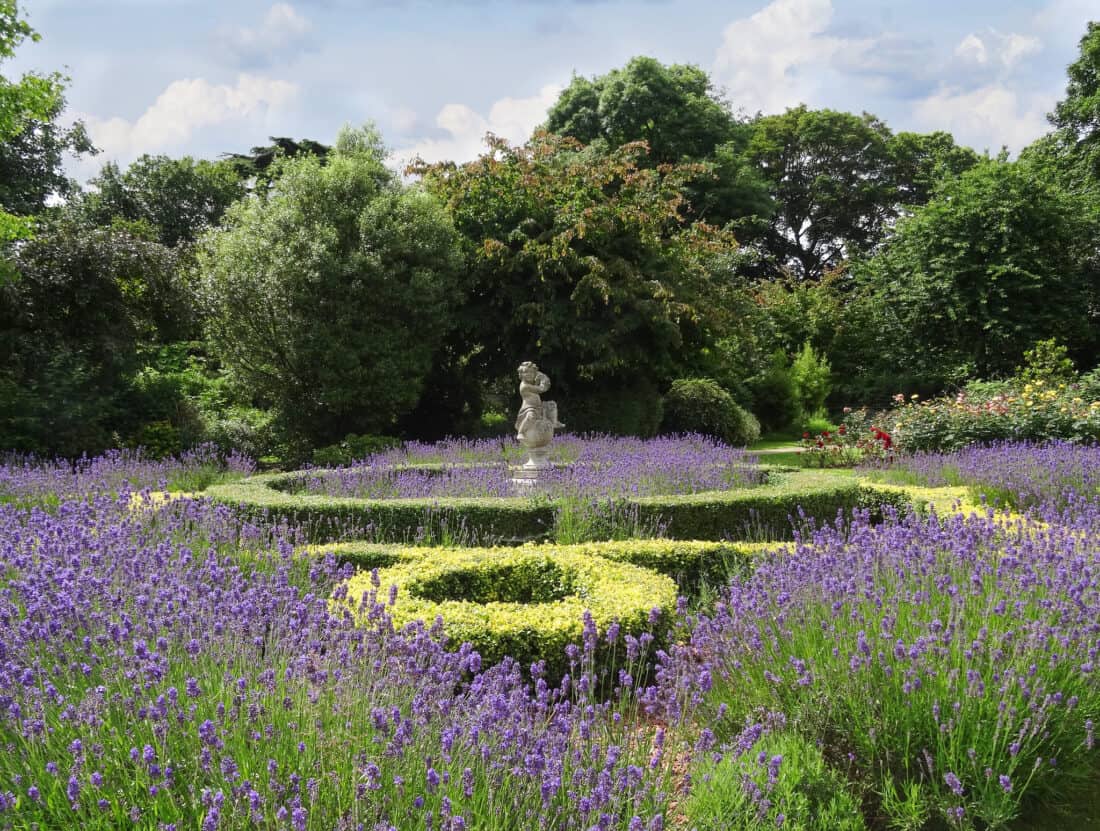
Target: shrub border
(762,512)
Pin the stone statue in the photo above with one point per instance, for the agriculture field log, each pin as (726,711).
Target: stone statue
(537,419)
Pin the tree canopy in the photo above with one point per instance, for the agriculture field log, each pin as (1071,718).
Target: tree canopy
(330,295)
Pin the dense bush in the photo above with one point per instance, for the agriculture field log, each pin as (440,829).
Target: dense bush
(699,405)
(528,603)
(631,410)
(774,397)
(330,296)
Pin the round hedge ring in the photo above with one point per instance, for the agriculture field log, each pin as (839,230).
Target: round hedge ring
(521,602)
(762,512)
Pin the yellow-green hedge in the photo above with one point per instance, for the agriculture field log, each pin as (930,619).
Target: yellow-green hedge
(688,562)
(526,602)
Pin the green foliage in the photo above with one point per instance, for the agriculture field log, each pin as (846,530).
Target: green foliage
(700,405)
(70,328)
(352,449)
(32,162)
(673,108)
(831,175)
(782,781)
(578,259)
(1079,111)
(178,198)
(632,410)
(998,260)
(329,297)
(527,603)
(811,377)
(1048,361)
(773,395)
(33,98)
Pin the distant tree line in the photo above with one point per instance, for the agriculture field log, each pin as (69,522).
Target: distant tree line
(302,294)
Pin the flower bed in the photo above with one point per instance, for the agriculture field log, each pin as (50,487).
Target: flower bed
(946,667)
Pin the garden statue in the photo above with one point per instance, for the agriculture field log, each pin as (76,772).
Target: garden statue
(537,418)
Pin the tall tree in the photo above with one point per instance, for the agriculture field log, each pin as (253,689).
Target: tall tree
(676,111)
(70,328)
(330,296)
(579,259)
(838,181)
(33,97)
(999,259)
(830,174)
(178,198)
(258,165)
(32,162)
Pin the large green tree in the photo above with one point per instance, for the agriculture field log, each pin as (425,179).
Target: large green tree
(177,198)
(32,162)
(580,260)
(676,111)
(329,296)
(33,97)
(838,181)
(86,299)
(999,259)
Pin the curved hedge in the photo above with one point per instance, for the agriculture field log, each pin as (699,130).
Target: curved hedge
(689,562)
(762,512)
(526,602)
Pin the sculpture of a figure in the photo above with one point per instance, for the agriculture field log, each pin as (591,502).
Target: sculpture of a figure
(537,419)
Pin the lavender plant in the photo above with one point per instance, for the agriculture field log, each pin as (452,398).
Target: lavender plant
(150,678)
(947,666)
(1021,475)
(590,467)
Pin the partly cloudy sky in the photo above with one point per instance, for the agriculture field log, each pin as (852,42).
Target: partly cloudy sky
(205,77)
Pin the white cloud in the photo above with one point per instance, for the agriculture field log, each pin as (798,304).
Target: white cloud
(765,61)
(985,118)
(283,30)
(996,50)
(186,106)
(510,118)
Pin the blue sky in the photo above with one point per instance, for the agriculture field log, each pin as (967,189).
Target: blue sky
(206,77)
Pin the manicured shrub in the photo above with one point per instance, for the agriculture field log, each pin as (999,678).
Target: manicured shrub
(762,512)
(780,781)
(528,603)
(691,563)
(699,405)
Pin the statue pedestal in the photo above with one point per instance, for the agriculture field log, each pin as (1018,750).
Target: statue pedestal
(526,476)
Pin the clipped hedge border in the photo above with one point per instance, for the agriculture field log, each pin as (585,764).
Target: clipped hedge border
(690,563)
(762,512)
(526,602)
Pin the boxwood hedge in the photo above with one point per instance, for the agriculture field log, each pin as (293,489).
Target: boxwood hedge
(689,562)
(762,512)
(527,602)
